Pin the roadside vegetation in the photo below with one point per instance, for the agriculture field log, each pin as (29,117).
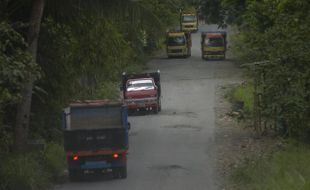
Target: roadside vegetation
(286,169)
(273,46)
(83,47)
(242,98)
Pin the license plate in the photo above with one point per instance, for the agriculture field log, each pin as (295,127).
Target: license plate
(95,165)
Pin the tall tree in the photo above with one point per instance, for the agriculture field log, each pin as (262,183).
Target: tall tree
(24,107)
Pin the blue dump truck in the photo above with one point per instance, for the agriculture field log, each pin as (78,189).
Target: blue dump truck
(96,138)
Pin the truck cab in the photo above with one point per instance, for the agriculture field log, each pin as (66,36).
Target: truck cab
(189,22)
(213,45)
(178,44)
(142,92)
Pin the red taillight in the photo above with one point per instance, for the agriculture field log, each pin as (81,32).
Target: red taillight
(115,155)
(75,158)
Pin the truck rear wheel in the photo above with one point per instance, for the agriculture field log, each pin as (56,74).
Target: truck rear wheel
(156,109)
(75,175)
(120,173)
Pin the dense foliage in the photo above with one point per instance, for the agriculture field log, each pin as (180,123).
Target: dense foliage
(83,48)
(274,34)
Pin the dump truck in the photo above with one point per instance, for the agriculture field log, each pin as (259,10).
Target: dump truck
(142,92)
(96,138)
(178,44)
(189,21)
(213,45)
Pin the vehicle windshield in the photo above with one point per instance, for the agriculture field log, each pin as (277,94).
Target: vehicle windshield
(134,85)
(189,18)
(176,40)
(215,42)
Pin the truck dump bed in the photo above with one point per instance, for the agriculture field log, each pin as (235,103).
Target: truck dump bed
(95,125)
(93,115)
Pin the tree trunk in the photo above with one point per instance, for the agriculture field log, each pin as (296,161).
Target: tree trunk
(24,108)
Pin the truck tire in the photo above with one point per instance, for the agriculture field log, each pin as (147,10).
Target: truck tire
(120,173)
(159,105)
(75,175)
(156,110)
(123,172)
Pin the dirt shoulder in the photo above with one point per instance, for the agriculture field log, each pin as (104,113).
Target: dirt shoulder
(236,142)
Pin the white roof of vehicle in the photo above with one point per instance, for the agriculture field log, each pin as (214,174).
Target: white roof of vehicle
(134,85)
(139,81)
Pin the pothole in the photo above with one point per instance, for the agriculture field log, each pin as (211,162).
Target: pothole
(168,167)
(182,127)
(132,134)
(187,114)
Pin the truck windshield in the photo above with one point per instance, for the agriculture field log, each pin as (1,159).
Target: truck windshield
(140,85)
(215,42)
(176,41)
(189,18)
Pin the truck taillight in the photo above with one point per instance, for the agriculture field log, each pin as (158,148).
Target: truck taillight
(75,158)
(115,155)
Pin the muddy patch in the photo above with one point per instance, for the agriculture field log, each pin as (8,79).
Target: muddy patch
(196,128)
(168,167)
(186,114)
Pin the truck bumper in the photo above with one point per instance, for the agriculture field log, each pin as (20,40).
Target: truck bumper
(176,54)
(213,56)
(142,104)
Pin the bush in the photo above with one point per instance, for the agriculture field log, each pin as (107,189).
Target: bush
(285,170)
(55,160)
(244,94)
(22,172)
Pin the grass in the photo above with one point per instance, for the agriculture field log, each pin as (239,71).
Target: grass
(287,169)
(35,170)
(243,93)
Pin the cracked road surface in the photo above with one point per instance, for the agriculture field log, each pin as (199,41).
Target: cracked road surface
(174,150)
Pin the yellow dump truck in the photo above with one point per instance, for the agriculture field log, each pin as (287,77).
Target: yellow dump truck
(213,45)
(178,44)
(189,21)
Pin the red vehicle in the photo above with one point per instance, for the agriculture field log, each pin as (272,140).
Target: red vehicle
(142,91)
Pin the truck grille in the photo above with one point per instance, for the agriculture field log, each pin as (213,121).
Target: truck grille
(214,52)
(189,26)
(176,50)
